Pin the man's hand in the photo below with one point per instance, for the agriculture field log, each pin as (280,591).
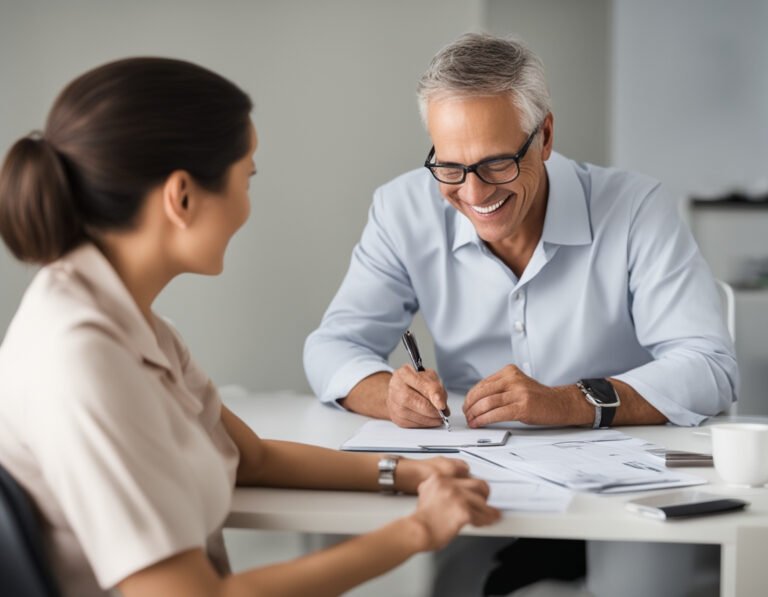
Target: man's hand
(510,395)
(413,398)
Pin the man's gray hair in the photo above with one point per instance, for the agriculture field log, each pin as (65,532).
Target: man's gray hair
(479,64)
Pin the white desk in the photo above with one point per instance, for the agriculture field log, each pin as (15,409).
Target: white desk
(742,536)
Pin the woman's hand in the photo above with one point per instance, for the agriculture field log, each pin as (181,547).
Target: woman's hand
(410,473)
(447,504)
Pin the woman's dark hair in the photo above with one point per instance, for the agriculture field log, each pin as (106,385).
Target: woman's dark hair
(112,135)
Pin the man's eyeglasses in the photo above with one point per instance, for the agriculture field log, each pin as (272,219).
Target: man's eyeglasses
(500,170)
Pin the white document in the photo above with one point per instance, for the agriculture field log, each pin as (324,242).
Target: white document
(598,463)
(514,491)
(556,436)
(385,436)
(529,497)
(492,472)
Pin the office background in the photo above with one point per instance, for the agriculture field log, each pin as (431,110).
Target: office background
(678,90)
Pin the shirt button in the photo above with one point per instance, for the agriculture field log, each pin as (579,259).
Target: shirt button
(519,327)
(527,368)
(518,296)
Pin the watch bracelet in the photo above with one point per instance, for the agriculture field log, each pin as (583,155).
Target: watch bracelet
(387,466)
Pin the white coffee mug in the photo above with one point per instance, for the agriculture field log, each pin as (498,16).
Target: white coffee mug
(740,453)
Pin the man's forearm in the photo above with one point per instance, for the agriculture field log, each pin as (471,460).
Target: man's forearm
(369,396)
(634,409)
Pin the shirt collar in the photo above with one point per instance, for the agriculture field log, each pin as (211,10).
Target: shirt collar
(111,295)
(465,231)
(567,219)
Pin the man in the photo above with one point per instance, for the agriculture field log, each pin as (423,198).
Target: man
(556,293)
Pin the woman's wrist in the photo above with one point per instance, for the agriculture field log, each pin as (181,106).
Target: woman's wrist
(408,475)
(416,533)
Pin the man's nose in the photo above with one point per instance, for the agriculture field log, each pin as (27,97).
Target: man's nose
(475,191)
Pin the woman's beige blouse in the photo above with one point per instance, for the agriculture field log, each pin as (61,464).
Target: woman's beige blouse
(111,427)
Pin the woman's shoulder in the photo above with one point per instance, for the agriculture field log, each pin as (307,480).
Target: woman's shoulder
(58,318)
(59,303)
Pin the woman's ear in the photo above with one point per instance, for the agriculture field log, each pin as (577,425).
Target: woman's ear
(176,201)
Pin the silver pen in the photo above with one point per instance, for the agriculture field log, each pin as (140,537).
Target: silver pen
(409,340)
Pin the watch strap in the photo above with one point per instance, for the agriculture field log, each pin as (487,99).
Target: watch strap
(597,423)
(606,416)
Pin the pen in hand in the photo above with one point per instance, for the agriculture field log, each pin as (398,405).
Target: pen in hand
(409,340)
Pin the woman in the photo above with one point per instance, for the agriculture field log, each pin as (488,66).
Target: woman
(120,439)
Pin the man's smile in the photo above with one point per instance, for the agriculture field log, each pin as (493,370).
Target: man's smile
(488,209)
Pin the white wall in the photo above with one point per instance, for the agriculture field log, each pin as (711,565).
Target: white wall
(333,82)
(690,92)
(573,40)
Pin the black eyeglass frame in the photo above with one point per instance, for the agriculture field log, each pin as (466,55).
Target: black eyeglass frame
(474,167)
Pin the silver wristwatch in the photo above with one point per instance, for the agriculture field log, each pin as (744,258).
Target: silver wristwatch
(387,466)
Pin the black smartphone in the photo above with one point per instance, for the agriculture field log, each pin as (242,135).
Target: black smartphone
(684,503)
(677,458)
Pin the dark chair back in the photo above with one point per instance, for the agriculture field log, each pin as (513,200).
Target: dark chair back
(24,570)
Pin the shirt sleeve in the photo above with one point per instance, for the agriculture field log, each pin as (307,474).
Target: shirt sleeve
(121,456)
(678,318)
(363,324)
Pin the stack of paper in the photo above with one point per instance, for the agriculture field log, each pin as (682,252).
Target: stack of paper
(534,471)
(609,462)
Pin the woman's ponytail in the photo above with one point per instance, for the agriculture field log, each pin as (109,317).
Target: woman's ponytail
(39,221)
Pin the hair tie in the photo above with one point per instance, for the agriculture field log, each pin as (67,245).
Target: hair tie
(39,138)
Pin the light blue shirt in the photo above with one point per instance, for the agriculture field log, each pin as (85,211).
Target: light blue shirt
(615,287)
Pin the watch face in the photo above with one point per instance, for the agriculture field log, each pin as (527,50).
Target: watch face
(601,391)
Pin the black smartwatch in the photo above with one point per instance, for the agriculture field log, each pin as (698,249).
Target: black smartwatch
(600,393)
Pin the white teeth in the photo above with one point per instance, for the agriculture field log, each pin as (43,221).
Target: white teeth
(490,208)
